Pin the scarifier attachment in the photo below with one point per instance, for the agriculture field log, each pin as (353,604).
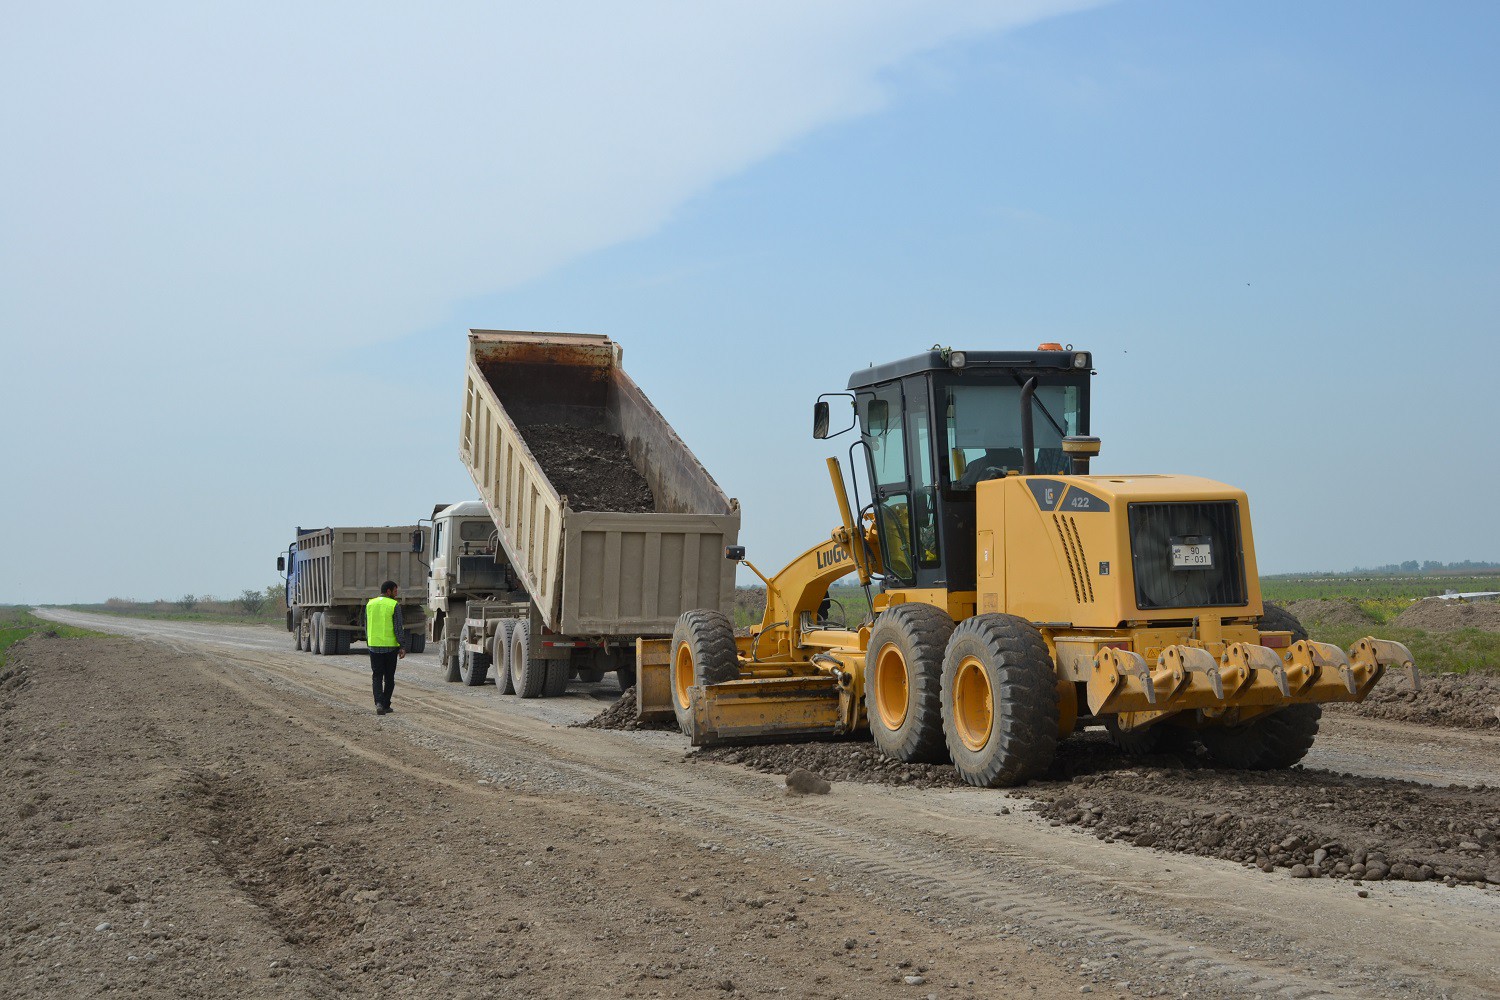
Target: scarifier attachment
(1247,675)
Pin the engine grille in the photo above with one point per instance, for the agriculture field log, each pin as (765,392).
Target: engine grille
(1157,584)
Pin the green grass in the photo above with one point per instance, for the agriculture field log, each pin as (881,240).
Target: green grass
(17,623)
(275,616)
(1382,589)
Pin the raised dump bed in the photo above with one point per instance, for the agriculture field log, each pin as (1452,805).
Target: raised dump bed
(592,574)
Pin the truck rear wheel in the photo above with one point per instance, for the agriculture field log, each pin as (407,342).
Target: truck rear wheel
(703,652)
(625,677)
(1270,742)
(558,674)
(317,634)
(500,657)
(418,642)
(528,674)
(472,667)
(999,701)
(903,682)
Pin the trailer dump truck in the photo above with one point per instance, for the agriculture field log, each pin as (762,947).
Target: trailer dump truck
(332,572)
(606,521)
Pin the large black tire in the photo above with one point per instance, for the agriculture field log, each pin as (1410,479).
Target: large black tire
(1160,738)
(559,672)
(702,652)
(1266,743)
(450,661)
(290,620)
(528,672)
(1274,619)
(418,642)
(297,631)
(317,633)
(335,641)
(500,657)
(473,667)
(999,697)
(625,676)
(903,682)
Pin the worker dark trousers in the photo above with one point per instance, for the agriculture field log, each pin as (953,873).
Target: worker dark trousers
(383,674)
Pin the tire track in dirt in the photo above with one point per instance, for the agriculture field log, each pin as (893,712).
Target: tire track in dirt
(945,879)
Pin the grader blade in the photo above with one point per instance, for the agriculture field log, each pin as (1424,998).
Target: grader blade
(765,708)
(1376,655)
(653,681)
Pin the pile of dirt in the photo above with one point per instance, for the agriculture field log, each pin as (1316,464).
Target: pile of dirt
(1436,615)
(1464,701)
(1341,613)
(1314,823)
(621,715)
(845,760)
(590,467)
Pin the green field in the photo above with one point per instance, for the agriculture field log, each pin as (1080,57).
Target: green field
(16,623)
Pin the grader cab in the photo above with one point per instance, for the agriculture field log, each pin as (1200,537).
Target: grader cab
(1015,597)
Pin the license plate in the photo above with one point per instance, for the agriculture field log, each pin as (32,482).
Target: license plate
(1200,556)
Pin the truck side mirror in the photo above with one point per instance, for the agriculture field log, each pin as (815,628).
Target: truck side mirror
(820,419)
(281,564)
(418,541)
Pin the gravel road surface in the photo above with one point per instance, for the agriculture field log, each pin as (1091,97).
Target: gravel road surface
(216,780)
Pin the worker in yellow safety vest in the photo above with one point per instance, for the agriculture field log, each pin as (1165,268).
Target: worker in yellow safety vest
(384,633)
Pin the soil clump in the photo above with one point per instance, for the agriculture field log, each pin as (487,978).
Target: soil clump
(1341,613)
(590,467)
(1464,701)
(621,715)
(1433,615)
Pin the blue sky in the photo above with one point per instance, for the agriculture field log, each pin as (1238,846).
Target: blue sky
(231,259)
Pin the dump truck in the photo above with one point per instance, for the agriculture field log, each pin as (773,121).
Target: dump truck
(1015,597)
(468,566)
(332,572)
(593,578)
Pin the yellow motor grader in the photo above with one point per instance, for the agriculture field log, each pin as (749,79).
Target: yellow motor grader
(1015,597)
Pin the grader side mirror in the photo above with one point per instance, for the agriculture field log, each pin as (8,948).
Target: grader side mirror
(281,564)
(820,419)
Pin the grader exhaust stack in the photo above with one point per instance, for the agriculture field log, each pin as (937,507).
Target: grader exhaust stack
(1019,596)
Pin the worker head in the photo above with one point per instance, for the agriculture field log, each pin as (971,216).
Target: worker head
(388,589)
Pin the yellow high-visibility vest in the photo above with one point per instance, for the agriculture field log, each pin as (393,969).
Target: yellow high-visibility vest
(380,623)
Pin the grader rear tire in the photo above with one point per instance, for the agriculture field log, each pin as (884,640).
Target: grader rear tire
(903,682)
(703,652)
(500,657)
(528,674)
(999,698)
(1271,742)
(1274,619)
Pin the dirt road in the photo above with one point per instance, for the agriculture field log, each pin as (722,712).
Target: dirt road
(212,780)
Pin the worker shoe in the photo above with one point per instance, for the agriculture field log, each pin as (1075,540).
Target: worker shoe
(382,710)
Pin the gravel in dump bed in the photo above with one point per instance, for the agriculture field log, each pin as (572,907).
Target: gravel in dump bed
(1312,823)
(590,467)
(621,715)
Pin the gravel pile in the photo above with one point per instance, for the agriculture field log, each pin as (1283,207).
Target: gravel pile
(1312,823)
(1341,613)
(590,467)
(621,715)
(1465,701)
(846,760)
(1435,615)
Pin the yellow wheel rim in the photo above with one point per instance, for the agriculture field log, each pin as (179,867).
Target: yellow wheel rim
(973,703)
(682,673)
(890,686)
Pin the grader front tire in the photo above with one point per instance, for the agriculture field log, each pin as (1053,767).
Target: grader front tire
(1271,742)
(903,682)
(999,701)
(703,652)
